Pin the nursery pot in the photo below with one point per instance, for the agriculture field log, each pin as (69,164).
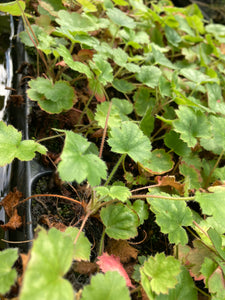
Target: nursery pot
(18,175)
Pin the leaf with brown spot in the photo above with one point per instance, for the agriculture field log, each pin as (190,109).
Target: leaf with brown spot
(170,181)
(122,249)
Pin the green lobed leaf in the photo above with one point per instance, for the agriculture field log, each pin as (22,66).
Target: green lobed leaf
(146,284)
(121,2)
(120,221)
(212,204)
(120,18)
(78,163)
(172,36)
(119,111)
(191,124)
(50,8)
(185,289)
(196,76)
(121,193)
(7,274)
(216,240)
(196,23)
(108,286)
(190,101)
(207,268)
(149,75)
(120,57)
(173,141)
(162,273)
(53,98)
(159,163)
(75,22)
(219,173)
(196,256)
(165,87)
(143,101)
(27,148)
(51,258)
(171,216)
(74,65)
(147,122)
(102,69)
(13,8)
(97,89)
(161,59)
(12,146)
(123,86)
(216,285)
(217,30)
(132,68)
(25,38)
(215,142)
(193,179)
(87,5)
(82,248)
(215,98)
(141,209)
(183,25)
(129,139)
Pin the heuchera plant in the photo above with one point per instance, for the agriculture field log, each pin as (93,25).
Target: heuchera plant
(165,66)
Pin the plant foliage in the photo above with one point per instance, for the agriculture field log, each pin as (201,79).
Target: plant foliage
(142,86)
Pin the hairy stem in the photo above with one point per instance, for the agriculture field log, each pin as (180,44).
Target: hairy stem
(101,247)
(162,197)
(82,226)
(48,195)
(85,108)
(105,130)
(50,137)
(213,169)
(115,169)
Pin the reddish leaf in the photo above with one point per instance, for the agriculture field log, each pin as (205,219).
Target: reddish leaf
(170,181)
(85,55)
(112,263)
(61,63)
(95,87)
(195,259)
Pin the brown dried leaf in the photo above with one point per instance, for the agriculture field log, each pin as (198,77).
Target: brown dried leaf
(11,200)
(85,267)
(222,48)
(25,258)
(170,181)
(52,221)
(15,221)
(97,134)
(122,249)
